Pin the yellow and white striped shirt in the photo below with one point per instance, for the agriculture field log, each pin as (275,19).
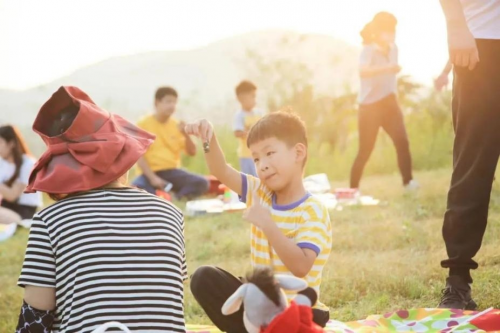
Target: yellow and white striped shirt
(306,222)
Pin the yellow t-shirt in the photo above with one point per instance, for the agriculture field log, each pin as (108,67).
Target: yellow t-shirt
(306,222)
(243,121)
(165,152)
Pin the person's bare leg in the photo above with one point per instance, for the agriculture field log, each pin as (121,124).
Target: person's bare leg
(8,216)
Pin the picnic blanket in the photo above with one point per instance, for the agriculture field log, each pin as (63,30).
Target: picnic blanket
(415,320)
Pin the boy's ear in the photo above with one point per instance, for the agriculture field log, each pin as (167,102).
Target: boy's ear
(301,152)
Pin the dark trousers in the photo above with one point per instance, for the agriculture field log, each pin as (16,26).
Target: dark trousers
(185,184)
(387,114)
(476,119)
(212,286)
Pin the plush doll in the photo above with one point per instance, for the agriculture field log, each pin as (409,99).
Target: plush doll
(266,306)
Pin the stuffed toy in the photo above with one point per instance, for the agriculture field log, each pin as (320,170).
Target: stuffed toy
(266,308)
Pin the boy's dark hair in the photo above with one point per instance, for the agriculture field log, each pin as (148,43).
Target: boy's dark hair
(165,91)
(245,87)
(282,125)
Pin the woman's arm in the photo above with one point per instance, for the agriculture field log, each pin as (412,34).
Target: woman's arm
(42,298)
(12,193)
(371,71)
(37,313)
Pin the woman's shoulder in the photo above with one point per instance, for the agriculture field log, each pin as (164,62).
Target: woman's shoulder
(126,197)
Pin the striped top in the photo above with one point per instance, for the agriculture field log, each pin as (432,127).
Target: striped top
(306,222)
(111,255)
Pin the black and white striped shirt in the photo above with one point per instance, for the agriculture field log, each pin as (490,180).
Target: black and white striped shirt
(112,255)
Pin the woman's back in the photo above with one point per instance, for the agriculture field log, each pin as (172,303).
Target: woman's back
(112,255)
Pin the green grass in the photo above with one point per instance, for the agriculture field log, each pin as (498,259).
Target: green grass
(384,258)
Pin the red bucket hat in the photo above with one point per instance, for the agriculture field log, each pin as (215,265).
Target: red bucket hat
(96,148)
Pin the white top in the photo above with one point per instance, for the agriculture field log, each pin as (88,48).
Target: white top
(483,18)
(7,169)
(375,88)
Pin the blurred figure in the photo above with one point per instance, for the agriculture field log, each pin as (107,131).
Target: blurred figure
(244,119)
(161,165)
(377,98)
(474,46)
(16,163)
(442,80)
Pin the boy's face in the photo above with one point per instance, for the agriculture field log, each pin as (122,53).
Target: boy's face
(165,107)
(248,100)
(276,162)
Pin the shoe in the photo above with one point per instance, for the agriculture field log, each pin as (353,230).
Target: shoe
(457,295)
(413,185)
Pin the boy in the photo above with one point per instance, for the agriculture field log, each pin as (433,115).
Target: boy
(290,230)
(161,165)
(244,119)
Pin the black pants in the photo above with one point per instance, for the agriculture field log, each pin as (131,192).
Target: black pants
(212,286)
(476,118)
(26,212)
(386,114)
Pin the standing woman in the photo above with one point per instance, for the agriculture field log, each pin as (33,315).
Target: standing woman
(377,98)
(15,167)
(104,251)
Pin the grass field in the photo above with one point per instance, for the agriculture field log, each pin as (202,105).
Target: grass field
(384,258)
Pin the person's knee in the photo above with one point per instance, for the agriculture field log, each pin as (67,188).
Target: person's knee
(200,277)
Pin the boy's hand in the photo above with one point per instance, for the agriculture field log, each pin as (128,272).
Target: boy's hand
(182,127)
(462,47)
(202,129)
(258,214)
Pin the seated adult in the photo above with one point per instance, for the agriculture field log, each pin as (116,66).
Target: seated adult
(15,167)
(103,251)
(161,165)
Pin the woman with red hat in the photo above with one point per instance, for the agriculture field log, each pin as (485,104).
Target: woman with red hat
(104,251)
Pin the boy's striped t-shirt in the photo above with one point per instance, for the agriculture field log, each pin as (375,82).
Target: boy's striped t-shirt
(306,222)
(111,255)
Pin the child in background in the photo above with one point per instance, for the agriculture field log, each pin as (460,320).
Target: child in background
(16,163)
(290,230)
(244,119)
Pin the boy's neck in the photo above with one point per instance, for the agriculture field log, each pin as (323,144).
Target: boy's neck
(247,110)
(161,119)
(291,193)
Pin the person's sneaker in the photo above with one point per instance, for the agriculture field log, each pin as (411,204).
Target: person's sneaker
(413,185)
(457,295)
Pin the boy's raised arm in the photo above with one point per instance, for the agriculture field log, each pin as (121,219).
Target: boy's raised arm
(215,157)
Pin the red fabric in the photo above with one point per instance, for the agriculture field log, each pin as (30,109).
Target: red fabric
(95,150)
(295,319)
(488,322)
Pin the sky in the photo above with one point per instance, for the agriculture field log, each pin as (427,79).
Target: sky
(42,40)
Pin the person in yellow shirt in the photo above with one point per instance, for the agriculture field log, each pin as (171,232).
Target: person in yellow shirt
(160,167)
(244,119)
(290,228)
